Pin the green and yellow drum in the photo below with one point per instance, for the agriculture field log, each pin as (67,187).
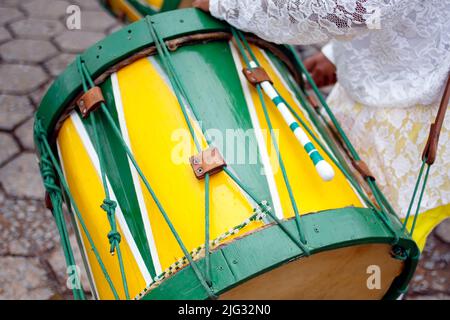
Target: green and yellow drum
(133,10)
(124,137)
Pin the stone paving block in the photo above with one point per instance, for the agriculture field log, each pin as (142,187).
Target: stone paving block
(2,198)
(25,134)
(96,21)
(37,28)
(8,15)
(89,5)
(27,228)
(8,147)
(59,63)
(14,110)
(20,177)
(4,35)
(28,51)
(12,3)
(53,9)
(76,41)
(117,27)
(23,278)
(38,94)
(58,263)
(21,79)
(443,231)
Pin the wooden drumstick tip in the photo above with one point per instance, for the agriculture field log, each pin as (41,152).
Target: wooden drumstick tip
(325,170)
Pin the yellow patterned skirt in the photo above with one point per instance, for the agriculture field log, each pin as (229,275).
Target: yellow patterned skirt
(391,141)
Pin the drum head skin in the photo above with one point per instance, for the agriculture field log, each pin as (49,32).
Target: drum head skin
(348,240)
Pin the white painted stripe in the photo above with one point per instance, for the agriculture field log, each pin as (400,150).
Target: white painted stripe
(276,202)
(135,175)
(163,74)
(81,130)
(78,227)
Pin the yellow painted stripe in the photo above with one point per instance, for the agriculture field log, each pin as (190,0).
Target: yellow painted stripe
(120,7)
(426,222)
(160,141)
(155,4)
(311,193)
(87,190)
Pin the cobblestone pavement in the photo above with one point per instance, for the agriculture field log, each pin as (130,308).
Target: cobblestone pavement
(35,46)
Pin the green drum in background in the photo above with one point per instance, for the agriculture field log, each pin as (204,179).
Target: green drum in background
(133,10)
(267,228)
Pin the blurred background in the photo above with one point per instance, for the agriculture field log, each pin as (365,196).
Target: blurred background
(36,46)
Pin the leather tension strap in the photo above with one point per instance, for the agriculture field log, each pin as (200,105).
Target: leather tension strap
(256,75)
(90,101)
(429,154)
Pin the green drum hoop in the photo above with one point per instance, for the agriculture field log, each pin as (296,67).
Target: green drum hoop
(248,257)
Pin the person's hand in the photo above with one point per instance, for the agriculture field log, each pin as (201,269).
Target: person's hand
(322,70)
(201,4)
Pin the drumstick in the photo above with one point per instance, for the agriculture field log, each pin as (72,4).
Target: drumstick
(324,169)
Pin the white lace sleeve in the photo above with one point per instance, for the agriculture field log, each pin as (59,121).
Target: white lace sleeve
(307,21)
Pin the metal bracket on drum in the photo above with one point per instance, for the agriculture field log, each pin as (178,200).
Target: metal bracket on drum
(209,161)
(90,101)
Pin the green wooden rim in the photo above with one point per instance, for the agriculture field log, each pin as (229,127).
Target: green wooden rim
(170,5)
(270,247)
(114,49)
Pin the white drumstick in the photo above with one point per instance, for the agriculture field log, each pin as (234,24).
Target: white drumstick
(323,168)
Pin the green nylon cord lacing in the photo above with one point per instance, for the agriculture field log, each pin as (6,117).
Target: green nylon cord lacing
(180,94)
(183,97)
(48,159)
(248,48)
(344,170)
(239,38)
(347,142)
(369,203)
(117,132)
(54,192)
(109,206)
(413,198)
(379,196)
(47,155)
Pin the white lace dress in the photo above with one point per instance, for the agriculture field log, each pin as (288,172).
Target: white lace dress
(392,58)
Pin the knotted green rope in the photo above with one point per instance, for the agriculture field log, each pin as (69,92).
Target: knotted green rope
(55,194)
(114,237)
(118,134)
(47,154)
(108,205)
